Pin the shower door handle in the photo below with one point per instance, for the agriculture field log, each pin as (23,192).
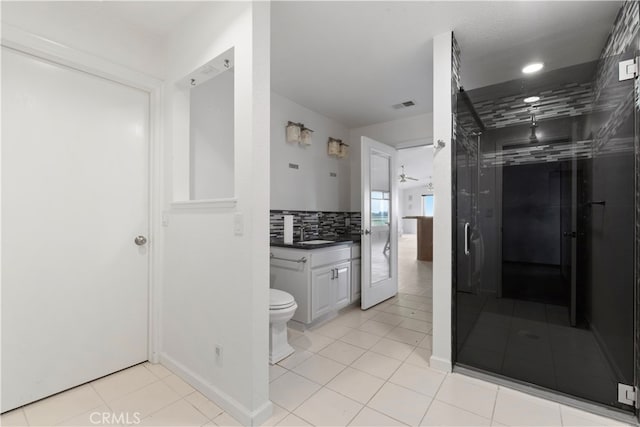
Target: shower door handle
(467,227)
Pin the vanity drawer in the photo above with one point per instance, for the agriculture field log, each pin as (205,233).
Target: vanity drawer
(320,257)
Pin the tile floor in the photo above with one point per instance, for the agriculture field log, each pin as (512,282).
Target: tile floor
(364,368)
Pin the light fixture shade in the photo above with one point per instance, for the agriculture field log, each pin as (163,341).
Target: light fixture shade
(305,136)
(333,147)
(293,132)
(344,151)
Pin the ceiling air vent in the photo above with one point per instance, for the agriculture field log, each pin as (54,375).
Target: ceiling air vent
(404,104)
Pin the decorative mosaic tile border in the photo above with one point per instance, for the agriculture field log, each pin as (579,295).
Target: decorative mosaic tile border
(557,152)
(319,224)
(569,100)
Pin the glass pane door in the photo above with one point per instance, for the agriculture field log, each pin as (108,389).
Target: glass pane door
(379,220)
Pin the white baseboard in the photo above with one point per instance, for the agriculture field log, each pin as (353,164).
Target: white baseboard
(222,399)
(440,364)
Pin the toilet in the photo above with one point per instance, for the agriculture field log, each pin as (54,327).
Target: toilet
(282,306)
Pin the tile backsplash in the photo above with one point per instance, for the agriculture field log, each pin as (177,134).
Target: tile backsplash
(319,224)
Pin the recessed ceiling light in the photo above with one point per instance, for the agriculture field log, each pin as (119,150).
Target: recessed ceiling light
(531,99)
(532,68)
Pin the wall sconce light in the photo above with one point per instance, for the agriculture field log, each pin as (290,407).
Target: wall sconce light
(344,150)
(333,146)
(305,136)
(293,131)
(337,148)
(297,132)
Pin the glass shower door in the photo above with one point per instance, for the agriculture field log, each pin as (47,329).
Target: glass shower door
(545,231)
(469,250)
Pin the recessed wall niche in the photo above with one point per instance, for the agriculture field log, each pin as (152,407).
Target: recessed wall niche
(209,100)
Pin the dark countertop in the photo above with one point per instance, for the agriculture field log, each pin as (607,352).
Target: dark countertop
(336,240)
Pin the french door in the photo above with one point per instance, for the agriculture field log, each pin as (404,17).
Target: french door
(379,223)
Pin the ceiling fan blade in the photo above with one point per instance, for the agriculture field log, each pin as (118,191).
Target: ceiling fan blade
(413,179)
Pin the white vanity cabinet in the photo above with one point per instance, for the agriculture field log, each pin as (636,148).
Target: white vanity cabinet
(342,285)
(321,292)
(330,288)
(318,279)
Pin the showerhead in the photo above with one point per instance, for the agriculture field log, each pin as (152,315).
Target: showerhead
(534,124)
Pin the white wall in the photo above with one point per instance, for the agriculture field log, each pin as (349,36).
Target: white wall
(211,138)
(80,25)
(405,132)
(411,207)
(213,285)
(216,282)
(310,187)
(442,241)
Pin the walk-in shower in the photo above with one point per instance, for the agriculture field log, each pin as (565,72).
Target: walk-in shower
(546,212)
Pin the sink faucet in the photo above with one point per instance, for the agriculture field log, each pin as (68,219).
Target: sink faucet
(303,228)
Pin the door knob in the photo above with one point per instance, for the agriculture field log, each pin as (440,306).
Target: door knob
(140,240)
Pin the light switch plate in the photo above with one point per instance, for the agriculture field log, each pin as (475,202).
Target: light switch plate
(238,224)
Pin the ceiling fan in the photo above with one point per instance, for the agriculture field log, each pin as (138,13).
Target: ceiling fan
(429,185)
(403,176)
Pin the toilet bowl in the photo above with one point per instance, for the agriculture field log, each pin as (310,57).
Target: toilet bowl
(282,306)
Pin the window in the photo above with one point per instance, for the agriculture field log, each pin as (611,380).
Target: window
(379,208)
(427,204)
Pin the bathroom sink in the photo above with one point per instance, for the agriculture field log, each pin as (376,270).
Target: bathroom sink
(316,242)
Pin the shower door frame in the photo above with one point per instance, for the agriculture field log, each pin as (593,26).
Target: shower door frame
(636,271)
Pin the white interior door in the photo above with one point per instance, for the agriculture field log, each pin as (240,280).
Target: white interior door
(74,197)
(379,223)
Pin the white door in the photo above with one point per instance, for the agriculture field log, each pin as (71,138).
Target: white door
(379,223)
(74,196)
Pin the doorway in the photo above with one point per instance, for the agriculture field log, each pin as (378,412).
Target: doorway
(75,221)
(416,205)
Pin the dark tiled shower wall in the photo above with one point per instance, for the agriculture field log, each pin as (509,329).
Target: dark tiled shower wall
(622,35)
(636,13)
(319,224)
(614,327)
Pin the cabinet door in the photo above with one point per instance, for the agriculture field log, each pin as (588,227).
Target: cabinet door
(342,283)
(355,280)
(321,291)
